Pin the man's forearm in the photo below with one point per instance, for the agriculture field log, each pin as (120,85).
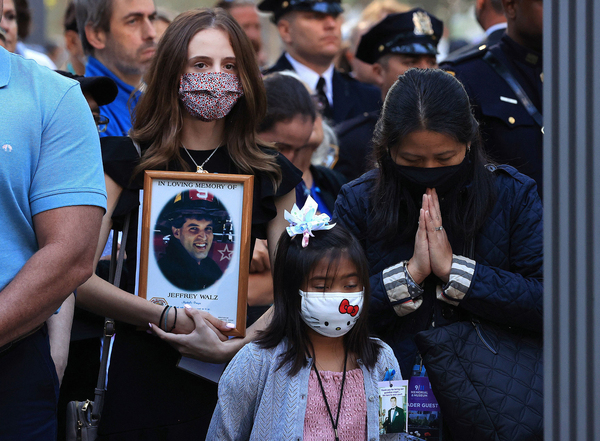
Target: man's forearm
(67,238)
(38,290)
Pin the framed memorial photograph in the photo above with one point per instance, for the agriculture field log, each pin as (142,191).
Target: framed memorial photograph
(195,242)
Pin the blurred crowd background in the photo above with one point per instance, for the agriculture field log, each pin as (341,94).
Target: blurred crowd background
(47,31)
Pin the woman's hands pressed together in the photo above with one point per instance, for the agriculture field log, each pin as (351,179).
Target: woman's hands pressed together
(419,266)
(433,252)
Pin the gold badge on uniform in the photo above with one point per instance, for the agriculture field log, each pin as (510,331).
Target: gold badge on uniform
(422,23)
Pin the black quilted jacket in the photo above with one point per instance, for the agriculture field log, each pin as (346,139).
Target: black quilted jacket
(507,285)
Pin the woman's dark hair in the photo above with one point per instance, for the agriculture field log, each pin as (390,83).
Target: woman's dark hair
(23,18)
(287,98)
(293,265)
(70,18)
(158,118)
(432,100)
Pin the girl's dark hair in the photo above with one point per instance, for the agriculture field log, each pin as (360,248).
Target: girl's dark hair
(293,265)
(287,98)
(159,113)
(433,100)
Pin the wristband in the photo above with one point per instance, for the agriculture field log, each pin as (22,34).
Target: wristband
(414,289)
(167,317)
(174,321)
(161,316)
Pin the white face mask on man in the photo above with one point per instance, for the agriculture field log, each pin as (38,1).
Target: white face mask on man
(331,314)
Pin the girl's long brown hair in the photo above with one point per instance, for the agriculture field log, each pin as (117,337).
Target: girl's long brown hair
(158,117)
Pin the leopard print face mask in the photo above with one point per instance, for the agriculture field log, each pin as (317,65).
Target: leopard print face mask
(209,96)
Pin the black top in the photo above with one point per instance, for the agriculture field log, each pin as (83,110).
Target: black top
(170,404)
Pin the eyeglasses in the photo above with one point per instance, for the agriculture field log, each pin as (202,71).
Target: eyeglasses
(101,122)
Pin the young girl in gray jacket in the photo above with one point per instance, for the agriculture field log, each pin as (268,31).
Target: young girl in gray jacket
(313,373)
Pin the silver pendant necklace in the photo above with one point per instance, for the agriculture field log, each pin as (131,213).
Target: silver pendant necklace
(200,168)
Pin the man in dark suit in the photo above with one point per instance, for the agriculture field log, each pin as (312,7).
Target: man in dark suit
(396,419)
(490,16)
(311,34)
(394,45)
(504,83)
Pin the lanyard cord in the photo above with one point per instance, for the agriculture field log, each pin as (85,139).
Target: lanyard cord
(337,418)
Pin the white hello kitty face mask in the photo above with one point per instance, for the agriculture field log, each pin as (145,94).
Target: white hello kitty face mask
(331,314)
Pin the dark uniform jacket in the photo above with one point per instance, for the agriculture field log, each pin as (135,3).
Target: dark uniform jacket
(488,41)
(184,272)
(350,97)
(510,135)
(354,139)
(507,284)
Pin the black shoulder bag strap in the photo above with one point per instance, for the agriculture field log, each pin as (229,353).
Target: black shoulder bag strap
(510,79)
(114,277)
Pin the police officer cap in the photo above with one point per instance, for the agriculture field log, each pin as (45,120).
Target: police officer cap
(281,7)
(415,32)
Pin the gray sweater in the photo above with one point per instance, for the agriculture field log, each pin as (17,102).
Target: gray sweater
(259,402)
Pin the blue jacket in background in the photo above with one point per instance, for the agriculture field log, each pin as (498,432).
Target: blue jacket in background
(507,286)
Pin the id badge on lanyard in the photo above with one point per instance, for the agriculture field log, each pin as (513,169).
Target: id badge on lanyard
(393,405)
(424,417)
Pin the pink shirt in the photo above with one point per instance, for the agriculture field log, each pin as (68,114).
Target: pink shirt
(352,425)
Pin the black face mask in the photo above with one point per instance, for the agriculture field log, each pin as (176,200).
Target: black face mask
(443,179)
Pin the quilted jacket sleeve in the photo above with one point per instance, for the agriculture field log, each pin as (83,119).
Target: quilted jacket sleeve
(238,396)
(512,295)
(351,213)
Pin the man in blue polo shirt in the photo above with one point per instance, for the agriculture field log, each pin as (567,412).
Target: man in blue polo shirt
(119,38)
(52,199)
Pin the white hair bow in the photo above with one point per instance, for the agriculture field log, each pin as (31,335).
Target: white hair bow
(306,221)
